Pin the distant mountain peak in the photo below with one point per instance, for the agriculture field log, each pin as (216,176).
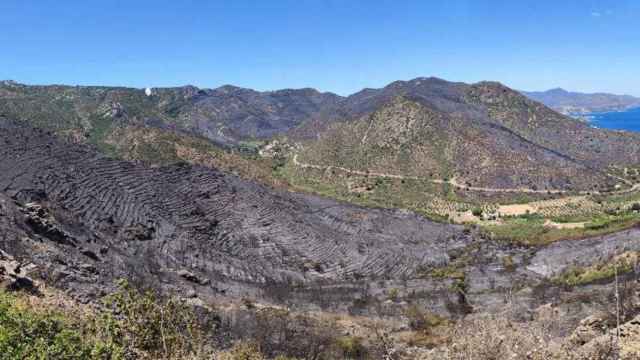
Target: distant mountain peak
(558,90)
(229,88)
(575,102)
(8,83)
(491,83)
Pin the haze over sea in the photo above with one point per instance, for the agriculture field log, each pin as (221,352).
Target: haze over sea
(619,120)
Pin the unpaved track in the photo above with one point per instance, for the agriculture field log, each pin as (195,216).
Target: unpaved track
(452,182)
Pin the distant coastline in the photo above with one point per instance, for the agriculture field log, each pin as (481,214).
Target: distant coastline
(627,119)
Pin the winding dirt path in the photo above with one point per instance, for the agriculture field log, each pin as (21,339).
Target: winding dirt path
(452,182)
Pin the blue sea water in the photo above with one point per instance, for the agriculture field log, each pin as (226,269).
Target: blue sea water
(621,120)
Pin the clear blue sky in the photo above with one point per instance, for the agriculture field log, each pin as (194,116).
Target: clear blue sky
(333,45)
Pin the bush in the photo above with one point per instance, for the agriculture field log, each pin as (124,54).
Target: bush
(477,212)
(132,324)
(351,347)
(28,333)
(420,320)
(508,263)
(148,326)
(393,294)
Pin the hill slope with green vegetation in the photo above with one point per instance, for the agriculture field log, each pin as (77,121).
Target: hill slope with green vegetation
(444,149)
(225,115)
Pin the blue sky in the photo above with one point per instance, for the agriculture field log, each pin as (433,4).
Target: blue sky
(333,45)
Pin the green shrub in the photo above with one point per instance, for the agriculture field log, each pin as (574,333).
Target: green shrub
(27,333)
(131,324)
(421,320)
(149,326)
(393,294)
(577,276)
(351,347)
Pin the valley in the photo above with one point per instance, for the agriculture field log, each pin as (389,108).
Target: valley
(404,216)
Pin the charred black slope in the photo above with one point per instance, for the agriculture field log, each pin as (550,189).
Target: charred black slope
(80,221)
(190,226)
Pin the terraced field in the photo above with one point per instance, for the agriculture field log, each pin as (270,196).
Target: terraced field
(217,226)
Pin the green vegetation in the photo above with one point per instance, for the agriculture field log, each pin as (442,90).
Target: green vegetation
(351,347)
(159,147)
(417,195)
(132,323)
(395,135)
(451,271)
(420,320)
(30,332)
(576,276)
(393,294)
(151,326)
(531,229)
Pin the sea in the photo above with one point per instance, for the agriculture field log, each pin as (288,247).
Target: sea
(617,120)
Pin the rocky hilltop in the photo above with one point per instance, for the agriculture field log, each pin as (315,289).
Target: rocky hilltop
(483,135)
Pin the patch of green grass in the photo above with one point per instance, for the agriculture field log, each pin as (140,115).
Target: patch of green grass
(532,231)
(573,218)
(577,276)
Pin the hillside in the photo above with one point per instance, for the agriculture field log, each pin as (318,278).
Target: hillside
(109,213)
(225,115)
(568,102)
(481,135)
(443,148)
(77,221)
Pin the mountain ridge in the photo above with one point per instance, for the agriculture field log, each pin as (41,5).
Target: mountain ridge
(572,102)
(483,118)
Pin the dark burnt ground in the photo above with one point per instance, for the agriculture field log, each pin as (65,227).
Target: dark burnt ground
(79,221)
(121,219)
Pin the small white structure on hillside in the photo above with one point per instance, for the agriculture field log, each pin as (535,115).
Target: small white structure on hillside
(148,91)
